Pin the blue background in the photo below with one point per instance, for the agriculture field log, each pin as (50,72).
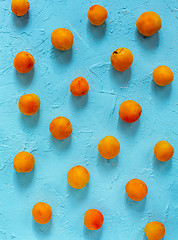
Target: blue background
(93,117)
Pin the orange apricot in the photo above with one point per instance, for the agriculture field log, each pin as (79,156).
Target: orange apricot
(163,75)
(60,128)
(62,39)
(154,231)
(130,111)
(29,104)
(97,15)
(121,59)
(20,7)
(42,212)
(24,162)
(148,23)
(24,62)
(109,147)
(79,86)
(136,189)
(93,219)
(163,151)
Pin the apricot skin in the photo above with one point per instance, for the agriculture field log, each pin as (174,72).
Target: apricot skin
(109,147)
(24,162)
(163,75)
(121,59)
(93,219)
(154,231)
(130,111)
(20,7)
(163,151)
(29,104)
(97,15)
(60,128)
(24,62)
(42,213)
(79,87)
(136,189)
(62,39)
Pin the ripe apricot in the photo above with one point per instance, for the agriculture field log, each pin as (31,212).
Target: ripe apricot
(154,231)
(136,189)
(62,39)
(42,212)
(121,59)
(163,75)
(163,151)
(60,128)
(97,15)
(29,104)
(130,111)
(24,162)
(20,7)
(93,219)
(24,62)
(148,23)
(109,147)
(79,86)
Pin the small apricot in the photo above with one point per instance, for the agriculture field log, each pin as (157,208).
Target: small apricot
(163,75)
(78,177)
(93,219)
(130,111)
(136,189)
(24,162)
(62,39)
(79,86)
(97,15)
(109,147)
(154,231)
(29,104)
(60,128)
(163,151)
(20,7)
(121,59)
(42,212)
(148,23)
(24,62)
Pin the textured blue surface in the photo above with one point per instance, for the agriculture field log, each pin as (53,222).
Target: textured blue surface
(93,117)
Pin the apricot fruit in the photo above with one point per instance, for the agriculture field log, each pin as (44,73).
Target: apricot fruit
(154,231)
(24,162)
(29,104)
(79,86)
(163,151)
(93,219)
(97,15)
(109,147)
(163,75)
(24,62)
(130,111)
(20,7)
(42,212)
(62,39)
(121,59)
(136,189)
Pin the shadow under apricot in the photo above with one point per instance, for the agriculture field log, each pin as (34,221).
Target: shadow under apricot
(96,32)
(94,235)
(137,206)
(160,92)
(61,145)
(20,22)
(107,164)
(43,229)
(23,180)
(30,121)
(162,167)
(148,42)
(130,129)
(25,79)
(78,194)
(79,102)
(62,57)
(120,78)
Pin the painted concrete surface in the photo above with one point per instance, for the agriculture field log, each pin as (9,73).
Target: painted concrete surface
(93,117)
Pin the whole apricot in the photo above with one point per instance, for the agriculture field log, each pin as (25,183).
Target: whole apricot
(78,177)
(42,212)
(24,62)
(20,7)
(163,75)
(109,147)
(97,15)
(79,86)
(62,39)
(154,231)
(29,104)
(24,162)
(148,23)
(121,59)
(60,128)
(136,189)
(93,219)
(163,151)
(130,111)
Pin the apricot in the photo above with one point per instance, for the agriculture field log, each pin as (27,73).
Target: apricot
(97,15)
(148,23)
(24,62)
(163,75)
(163,151)
(20,7)
(109,147)
(136,189)
(93,219)
(121,59)
(42,212)
(29,104)
(62,39)
(24,162)
(154,230)
(60,128)
(79,86)
(130,111)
